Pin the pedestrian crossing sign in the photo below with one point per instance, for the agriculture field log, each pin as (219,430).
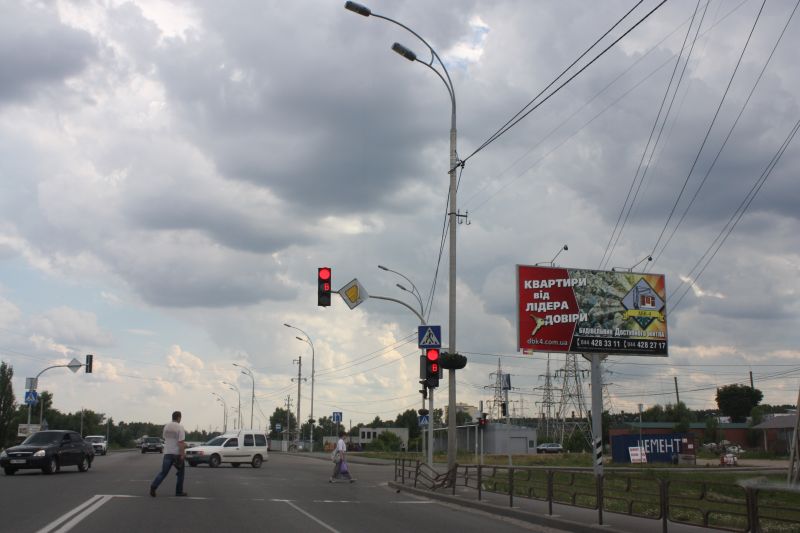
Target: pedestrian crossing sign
(429,336)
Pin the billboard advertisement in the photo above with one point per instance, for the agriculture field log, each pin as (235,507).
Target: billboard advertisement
(591,311)
(657,448)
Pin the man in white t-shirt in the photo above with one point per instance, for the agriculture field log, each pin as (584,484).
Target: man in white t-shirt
(174,450)
(340,459)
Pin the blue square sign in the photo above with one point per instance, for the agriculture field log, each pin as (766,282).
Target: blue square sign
(429,336)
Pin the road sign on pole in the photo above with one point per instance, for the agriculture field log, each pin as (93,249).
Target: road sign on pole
(337,416)
(278,427)
(424,420)
(429,336)
(75,365)
(31,397)
(353,294)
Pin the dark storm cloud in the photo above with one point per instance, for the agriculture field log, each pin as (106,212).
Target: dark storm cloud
(37,50)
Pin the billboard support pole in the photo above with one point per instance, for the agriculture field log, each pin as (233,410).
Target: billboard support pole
(597,415)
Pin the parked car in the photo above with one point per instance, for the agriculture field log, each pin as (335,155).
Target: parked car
(247,446)
(98,442)
(152,444)
(50,451)
(549,447)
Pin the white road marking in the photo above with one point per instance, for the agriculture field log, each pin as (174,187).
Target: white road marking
(80,512)
(309,515)
(335,501)
(405,502)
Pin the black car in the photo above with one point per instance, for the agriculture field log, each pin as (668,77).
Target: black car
(152,444)
(49,451)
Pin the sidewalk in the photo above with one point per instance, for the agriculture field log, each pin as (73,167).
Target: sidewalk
(564,517)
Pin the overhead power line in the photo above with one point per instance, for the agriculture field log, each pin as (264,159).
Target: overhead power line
(728,136)
(620,225)
(708,130)
(522,113)
(737,215)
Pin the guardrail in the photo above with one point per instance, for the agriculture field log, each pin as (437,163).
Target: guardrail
(727,506)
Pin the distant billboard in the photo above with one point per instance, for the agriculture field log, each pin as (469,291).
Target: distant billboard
(590,311)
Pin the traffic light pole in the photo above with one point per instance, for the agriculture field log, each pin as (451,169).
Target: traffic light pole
(430,389)
(430,427)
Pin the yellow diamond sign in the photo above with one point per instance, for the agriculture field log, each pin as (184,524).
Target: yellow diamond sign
(353,294)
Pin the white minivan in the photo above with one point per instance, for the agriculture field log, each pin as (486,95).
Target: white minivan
(246,446)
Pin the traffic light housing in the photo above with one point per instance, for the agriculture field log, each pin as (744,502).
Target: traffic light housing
(504,409)
(433,367)
(89,360)
(323,286)
(482,421)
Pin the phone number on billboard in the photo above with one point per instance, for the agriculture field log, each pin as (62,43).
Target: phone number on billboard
(600,344)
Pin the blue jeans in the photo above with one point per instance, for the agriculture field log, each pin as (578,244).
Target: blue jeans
(168,462)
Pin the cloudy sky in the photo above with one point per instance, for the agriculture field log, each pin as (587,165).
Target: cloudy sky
(173,173)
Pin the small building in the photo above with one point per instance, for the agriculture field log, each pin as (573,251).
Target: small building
(777,433)
(496,439)
(367,435)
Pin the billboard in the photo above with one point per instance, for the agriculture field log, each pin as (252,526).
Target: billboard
(591,311)
(658,448)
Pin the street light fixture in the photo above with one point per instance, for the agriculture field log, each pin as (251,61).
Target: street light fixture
(307,340)
(452,212)
(239,395)
(247,372)
(221,400)
(414,291)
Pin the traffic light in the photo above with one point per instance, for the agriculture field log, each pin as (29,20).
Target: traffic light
(433,367)
(88,367)
(323,286)
(482,421)
(503,409)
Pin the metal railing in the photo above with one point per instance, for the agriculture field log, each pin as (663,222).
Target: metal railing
(726,506)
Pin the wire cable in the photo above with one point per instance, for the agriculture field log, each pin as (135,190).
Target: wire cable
(620,222)
(708,130)
(737,215)
(727,137)
(520,117)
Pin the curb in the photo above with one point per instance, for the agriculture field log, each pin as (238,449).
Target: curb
(518,514)
(350,459)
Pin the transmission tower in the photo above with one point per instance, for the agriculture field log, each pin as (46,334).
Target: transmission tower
(572,412)
(495,409)
(547,425)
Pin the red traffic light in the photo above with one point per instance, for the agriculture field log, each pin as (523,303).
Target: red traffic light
(325,274)
(432,354)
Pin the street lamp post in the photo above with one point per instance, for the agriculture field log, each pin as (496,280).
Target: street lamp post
(452,212)
(421,316)
(307,340)
(246,371)
(221,400)
(231,386)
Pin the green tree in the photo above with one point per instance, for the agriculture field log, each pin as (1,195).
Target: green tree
(463,418)
(386,442)
(279,417)
(653,414)
(408,419)
(736,401)
(712,429)
(8,405)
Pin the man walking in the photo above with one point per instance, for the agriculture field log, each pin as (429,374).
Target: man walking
(340,468)
(174,449)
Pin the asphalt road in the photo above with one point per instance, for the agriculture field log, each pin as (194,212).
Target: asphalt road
(289,493)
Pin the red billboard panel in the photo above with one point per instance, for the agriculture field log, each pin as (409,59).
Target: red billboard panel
(591,311)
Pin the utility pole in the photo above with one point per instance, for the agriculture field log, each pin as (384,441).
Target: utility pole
(677,396)
(752,385)
(288,418)
(299,379)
